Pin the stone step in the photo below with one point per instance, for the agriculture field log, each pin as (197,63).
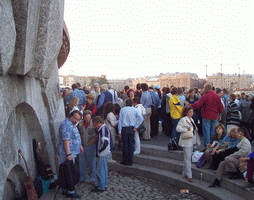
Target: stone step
(176,166)
(161,151)
(166,176)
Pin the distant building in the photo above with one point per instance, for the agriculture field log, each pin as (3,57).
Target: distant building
(118,84)
(230,81)
(71,79)
(186,80)
(150,81)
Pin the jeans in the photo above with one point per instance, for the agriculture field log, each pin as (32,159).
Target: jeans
(102,172)
(128,144)
(208,129)
(87,159)
(174,132)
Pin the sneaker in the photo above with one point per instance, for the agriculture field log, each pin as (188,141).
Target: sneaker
(74,196)
(111,161)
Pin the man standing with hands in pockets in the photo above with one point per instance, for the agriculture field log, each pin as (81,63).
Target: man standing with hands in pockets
(129,120)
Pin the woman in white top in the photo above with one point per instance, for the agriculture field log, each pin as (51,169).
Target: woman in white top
(142,110)
(110,120)
(185,124)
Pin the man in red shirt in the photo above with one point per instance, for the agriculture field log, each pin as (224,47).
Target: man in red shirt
(211,110)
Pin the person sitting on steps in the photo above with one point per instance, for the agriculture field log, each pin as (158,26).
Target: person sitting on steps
(231,163)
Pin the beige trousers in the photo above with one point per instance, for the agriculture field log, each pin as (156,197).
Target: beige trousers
(230,164)
(146,134)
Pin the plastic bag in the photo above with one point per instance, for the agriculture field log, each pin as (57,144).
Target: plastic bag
(196,156)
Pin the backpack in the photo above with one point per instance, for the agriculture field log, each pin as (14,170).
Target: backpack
(68,175)
(173,144)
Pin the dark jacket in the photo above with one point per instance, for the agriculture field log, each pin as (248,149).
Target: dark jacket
(108,98)
(68,175)
(246,111)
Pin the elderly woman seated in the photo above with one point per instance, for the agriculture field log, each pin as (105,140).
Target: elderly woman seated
(231,163)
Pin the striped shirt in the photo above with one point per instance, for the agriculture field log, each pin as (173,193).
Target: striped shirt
(232,114)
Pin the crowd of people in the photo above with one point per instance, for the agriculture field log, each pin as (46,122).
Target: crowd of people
(98,118)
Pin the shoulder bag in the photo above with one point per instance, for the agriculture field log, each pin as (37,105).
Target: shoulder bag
(188,134)
(141,129)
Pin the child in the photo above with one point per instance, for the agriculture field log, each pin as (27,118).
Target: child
(103,150)
(216,138)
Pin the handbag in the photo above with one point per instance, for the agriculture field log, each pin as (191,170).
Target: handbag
(187,135)
(115,127)
(173,144)
(141,129)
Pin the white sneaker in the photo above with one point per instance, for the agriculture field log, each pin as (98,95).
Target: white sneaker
(111,160)
(135,152)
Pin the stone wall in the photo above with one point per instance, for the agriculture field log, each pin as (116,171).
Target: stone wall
(30,103)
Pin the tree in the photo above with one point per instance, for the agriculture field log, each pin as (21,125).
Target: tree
(101,80)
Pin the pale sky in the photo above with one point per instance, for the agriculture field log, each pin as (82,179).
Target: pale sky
(137,38)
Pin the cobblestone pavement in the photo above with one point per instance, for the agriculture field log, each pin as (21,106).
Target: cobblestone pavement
(125,187)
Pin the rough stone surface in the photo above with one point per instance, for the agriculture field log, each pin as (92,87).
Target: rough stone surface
(30,102)
(8,35)
(125,186)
